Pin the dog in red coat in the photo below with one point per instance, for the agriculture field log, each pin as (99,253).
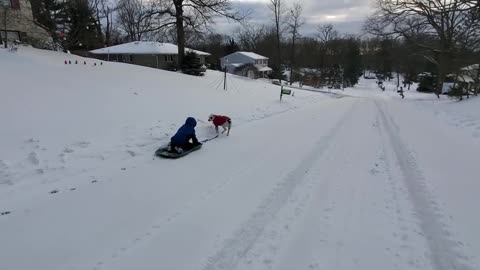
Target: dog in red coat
(221,121)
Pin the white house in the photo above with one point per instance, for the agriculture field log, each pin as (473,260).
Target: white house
(247,64)
(146,53)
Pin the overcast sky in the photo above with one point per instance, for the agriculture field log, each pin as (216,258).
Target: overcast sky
(346,15)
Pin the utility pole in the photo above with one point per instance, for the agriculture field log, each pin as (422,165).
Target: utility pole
(225,76)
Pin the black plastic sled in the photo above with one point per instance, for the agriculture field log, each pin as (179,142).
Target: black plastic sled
(164,153)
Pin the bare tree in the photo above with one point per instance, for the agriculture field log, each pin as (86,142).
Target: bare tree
(108,10)
(250,37)
(191,16)
(326,35)
(140,17)
(294,22)
(104,14)
(278,11)
(450,26)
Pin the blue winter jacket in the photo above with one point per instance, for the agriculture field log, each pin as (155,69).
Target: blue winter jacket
(185,133)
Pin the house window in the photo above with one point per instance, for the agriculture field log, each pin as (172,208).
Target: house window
(11,35)
(4,3)
(131,58)
(168,58)
(15,4)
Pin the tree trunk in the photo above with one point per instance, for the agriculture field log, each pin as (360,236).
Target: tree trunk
(279,53)
(180,32)
(279,57)
(477,81)
(5,13)
(398,79)
(442,72)
(292,61)
(107,32)
(440,80)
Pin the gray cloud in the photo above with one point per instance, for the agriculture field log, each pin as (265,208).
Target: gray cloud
(346,15)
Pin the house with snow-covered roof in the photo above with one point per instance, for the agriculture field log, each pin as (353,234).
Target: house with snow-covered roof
(247,64)
(146,53)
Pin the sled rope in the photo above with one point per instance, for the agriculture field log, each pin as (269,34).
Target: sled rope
(207,140)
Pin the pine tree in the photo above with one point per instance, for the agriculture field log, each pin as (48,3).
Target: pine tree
(384,59)
(52,16)
(191,64)
(82,31)
(71,23)
(352,67)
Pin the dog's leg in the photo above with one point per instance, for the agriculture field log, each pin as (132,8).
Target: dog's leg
(216,129)
(228,132)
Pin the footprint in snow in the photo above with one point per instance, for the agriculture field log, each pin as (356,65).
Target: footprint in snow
(67,150)
(4,174)
(5,213)
(33,158)
(54,191)
(32,140)
(82,144)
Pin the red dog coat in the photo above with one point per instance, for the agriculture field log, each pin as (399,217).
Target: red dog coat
(220,120)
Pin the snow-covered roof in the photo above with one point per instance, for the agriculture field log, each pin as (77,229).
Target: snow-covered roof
(236,64)
(144,47)
(250,55)
(253,55)
(471,67)
(263,68)
(465,78)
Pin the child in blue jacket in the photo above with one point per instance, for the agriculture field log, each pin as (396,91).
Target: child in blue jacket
(181,140)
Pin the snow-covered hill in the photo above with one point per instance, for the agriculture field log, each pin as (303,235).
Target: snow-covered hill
(356,179)
(59,119)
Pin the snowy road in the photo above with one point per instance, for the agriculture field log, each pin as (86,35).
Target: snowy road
(347,183)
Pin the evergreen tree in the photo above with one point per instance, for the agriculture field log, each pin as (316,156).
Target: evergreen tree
(71,23)
(51,15)
(191,64)
(82,31)
(427,83)
(384,59)
(352,66)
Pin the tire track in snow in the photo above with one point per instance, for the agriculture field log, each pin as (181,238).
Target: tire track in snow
(444,253)
(410,244)
(244,239)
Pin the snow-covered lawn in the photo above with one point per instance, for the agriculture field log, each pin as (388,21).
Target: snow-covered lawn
(358,179)
(61,119)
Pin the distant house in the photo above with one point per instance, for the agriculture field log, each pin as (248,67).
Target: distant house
(146,53)
(21,26)
(247,64)
(469,78)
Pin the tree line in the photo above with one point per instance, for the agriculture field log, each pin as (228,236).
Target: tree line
(403,37)
(90,24)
